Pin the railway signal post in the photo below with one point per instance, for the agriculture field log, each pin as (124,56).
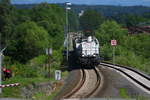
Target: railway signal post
(114,43)
(49,52)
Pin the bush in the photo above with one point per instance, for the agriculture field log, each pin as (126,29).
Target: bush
(31,42)
(23,70)
(110,30)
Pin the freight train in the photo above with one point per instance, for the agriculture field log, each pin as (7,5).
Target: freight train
(86,50)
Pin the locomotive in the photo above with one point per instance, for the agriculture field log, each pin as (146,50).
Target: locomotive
(86,50)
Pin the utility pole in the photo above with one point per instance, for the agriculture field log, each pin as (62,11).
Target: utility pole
(1,54)
(67,27)
(114,55)
(0,66)
(0,71)
(114,43)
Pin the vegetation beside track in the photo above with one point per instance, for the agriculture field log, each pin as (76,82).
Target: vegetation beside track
(26,33)
(131,50)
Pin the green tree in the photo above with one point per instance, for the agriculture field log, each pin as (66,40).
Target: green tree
(51,18)
(30,40)
(140,44)
(73,21)
(5,1)
(135,20)
(110,30)
(23,15)
(7,20)
(90,20)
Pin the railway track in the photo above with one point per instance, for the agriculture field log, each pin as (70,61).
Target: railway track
(138,78)
(139,29)
(91,81)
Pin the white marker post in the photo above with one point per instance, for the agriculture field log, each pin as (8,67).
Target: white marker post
(114,43)
(58,75)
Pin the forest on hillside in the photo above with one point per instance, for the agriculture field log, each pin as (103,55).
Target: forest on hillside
(125,15)
(106,10)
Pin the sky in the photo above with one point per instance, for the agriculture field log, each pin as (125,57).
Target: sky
(89,2)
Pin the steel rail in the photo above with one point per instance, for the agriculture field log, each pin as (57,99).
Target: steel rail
(130,76)
(129,68)
(79,85)
(99,80)
(98,83)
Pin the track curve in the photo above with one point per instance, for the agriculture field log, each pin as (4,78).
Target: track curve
(142,80)
(79,85)
(90,83)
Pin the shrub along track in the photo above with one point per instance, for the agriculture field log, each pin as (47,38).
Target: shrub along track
(90,83)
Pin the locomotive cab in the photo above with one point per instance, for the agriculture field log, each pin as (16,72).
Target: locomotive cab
(87,51)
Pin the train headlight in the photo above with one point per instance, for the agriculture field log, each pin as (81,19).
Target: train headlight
(83,55)
(94,55)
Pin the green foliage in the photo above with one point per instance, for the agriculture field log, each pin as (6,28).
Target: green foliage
(5,1)
(38,61)
(128,58)
(140,43)
(131,50)
(7,20)
(32,41)
(26,33)
(90,20)
(123,93)
(129,20)
(110,30)
(57,59)
(48,12)
(73,21)
(133,20)
(51,18)
(16,91)
(142,98)
(23,15)
(106,52)
(24,71)
(38,64)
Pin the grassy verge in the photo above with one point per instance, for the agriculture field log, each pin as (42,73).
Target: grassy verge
(15,92)
(142,98)
(123,93)
(41,96)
